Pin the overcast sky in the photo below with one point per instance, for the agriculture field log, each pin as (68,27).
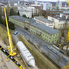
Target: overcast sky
(50,0)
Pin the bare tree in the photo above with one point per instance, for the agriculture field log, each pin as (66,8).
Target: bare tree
(15,8)
(48,12)
(40,11)
(0,11)
(7,12)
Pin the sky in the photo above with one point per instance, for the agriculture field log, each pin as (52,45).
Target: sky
(50,0)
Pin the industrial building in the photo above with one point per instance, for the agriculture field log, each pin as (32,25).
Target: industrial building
(44,21)
(46,6)
(46,33)
(59,21)
(28,11)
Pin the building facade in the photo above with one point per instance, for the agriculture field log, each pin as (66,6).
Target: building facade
(59,22)
(47,34)
(44,21)
(47,6)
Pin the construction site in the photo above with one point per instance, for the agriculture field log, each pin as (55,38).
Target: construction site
(20,50)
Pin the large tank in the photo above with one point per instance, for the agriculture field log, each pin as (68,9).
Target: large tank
(25,54)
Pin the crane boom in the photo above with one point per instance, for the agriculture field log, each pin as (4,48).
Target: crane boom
(10,47)
(67,2)
(67,39)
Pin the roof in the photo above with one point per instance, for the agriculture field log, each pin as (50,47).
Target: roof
(1,4)
(22,19)
(34,23)
(45,28)
(60,18)
(44,19)
(25,10)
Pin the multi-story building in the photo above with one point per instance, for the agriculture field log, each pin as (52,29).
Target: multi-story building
(25,10)
(47,6)
(59,22)
(44,21)
(46,33)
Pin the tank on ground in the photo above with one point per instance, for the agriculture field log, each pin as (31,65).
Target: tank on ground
(25,54)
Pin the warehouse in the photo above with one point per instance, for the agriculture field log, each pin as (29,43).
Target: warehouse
(46,33)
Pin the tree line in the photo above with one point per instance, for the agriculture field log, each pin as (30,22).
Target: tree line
(9,11)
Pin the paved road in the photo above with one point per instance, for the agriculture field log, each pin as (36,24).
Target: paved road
(9,63)
(55,55)
(2,62)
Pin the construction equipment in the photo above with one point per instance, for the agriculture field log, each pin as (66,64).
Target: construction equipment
(10,57)
(67,39)
(10,47)
(59,45)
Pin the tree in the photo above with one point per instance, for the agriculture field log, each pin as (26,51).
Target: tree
(11,25)
(15,8)
(47,12)
(62,30)
(24,16)
(0,11)
(18,13)
(7,12)
(12,12)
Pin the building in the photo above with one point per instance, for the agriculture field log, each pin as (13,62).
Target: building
(55,12)
(25,10)
(38,8)
(47,6)
(46,33)
(44,21)
(59,22)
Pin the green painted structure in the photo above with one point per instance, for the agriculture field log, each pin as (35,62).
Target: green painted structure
(46,33)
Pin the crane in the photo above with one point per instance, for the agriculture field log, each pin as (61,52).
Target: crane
(10,47)
(67,2)
(67,39)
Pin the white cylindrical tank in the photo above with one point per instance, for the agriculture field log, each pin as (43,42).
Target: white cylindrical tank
(25,54)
